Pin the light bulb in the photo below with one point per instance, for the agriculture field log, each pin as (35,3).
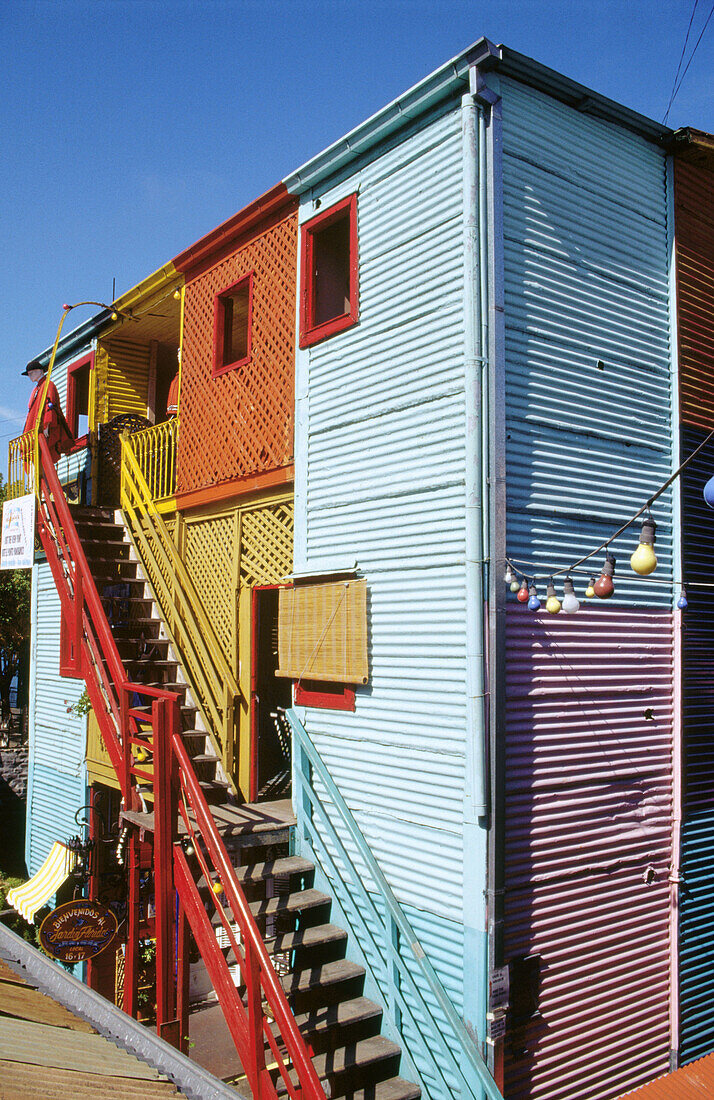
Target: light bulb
(604,586)
(590,590)
(533,602)
(709,492)
(571,603)
(509,575)
(682,601)
(515,584)
(115,316)
(217,888)
(644,560)
(552,604)
(190,850)
(523,591)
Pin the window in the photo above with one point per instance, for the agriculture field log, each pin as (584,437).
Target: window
(232,326)
(329,273)
(77,411)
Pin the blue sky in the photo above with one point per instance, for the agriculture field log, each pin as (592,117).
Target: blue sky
(132,127)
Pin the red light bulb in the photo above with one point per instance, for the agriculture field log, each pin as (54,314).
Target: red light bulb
(604,586)
(523,592)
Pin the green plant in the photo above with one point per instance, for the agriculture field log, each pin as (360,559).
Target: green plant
(82,706)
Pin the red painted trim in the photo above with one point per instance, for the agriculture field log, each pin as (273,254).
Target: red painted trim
(253,218)
(309,693)
(72,414)
(219,318)
(253,710)
(310,333)
(238,487)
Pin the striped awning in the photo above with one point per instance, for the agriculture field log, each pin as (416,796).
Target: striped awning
(33,894)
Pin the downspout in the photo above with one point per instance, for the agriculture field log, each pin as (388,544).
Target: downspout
(675,876)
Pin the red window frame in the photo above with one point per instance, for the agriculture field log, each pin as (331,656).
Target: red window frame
(310,693)
(72,412)
(219,367)
(311,333)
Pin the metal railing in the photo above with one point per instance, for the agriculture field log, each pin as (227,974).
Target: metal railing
(155,452)
(22,460)
(402,970)
(212,680)
(141,726)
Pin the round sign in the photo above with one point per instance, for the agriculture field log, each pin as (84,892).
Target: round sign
(78,930)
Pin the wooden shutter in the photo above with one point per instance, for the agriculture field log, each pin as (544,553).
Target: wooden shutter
(322,632)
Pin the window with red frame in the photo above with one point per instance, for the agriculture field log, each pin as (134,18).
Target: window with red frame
(77,410)
(329,273)
(232,326)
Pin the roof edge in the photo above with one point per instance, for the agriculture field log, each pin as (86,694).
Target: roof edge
(78,337)
(452,78)
(152,284)
(263,209)
(111,1022)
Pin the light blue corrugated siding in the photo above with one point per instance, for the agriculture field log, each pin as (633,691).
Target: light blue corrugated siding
(57,739)
(381,482)
(586,279)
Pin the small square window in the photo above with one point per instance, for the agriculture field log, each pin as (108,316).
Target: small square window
(232,326)
(329,273)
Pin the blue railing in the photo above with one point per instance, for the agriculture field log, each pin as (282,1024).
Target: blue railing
(398,963)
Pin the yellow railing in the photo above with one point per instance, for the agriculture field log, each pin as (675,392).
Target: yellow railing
(212,681)
(21,466)
(155,452)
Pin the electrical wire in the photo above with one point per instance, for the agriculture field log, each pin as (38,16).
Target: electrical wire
(681,59)
(691,56)
(604,545)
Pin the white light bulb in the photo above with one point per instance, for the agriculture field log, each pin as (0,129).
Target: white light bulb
(571,603)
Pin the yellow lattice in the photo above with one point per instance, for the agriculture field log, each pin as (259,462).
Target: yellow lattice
(210,554)
(266,550)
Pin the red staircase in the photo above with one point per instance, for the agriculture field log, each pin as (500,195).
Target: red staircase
(304,1030)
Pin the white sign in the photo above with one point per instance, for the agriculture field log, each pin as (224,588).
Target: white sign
(17,549)
(498,988)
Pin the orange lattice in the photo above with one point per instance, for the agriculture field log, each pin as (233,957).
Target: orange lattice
(240,423)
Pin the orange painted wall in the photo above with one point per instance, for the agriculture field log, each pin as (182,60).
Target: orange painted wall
(241,423)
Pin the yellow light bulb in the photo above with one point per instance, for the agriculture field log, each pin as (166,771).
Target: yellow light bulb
(115,316)
(590,590)
(217,888)
(644,560)
(552,604)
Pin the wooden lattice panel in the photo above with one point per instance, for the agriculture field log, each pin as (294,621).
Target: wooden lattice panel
(241,422)
(266,549)
(209,554)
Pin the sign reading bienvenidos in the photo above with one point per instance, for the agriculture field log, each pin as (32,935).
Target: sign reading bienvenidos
(78,930)
(17,548)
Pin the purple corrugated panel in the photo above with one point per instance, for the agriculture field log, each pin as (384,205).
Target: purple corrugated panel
(588,842)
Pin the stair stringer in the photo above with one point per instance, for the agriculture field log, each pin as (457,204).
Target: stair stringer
(202,722)
(355,953)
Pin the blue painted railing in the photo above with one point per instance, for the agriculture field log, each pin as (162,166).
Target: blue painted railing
(450,1054)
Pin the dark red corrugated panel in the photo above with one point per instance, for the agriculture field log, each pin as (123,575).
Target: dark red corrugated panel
(588,811)
(694,228)
(694,1082)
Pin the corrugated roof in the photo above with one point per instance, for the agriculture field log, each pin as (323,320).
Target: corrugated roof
(692,1082)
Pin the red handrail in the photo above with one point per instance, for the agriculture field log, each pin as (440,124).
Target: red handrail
(108,685)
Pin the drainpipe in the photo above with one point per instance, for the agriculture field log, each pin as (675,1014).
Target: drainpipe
(675,876)
(478,110)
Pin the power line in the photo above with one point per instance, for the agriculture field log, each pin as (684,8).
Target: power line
(691,56)
(681,59)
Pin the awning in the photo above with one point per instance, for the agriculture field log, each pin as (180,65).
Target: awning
(33,894)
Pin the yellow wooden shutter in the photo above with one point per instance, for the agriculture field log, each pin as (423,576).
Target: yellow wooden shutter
(322,632)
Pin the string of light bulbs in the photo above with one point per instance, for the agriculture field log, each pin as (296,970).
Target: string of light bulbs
(643,561)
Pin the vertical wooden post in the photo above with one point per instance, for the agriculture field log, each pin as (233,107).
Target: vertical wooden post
(131,958)
(124,726)
(182,977)
(78,619)
(164,831)
(256,1041)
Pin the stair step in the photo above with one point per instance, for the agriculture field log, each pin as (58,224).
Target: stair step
(254,873)
(299,901)
(323,977)
(363,1060)
(395,1088)
(306,939)
(349,1020)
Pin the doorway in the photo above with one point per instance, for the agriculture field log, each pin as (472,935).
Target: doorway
(271,695)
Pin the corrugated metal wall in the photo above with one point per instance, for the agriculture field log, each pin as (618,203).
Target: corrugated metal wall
(694,205)
(122,379)
(589,698)
(56,786)
(380,481)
